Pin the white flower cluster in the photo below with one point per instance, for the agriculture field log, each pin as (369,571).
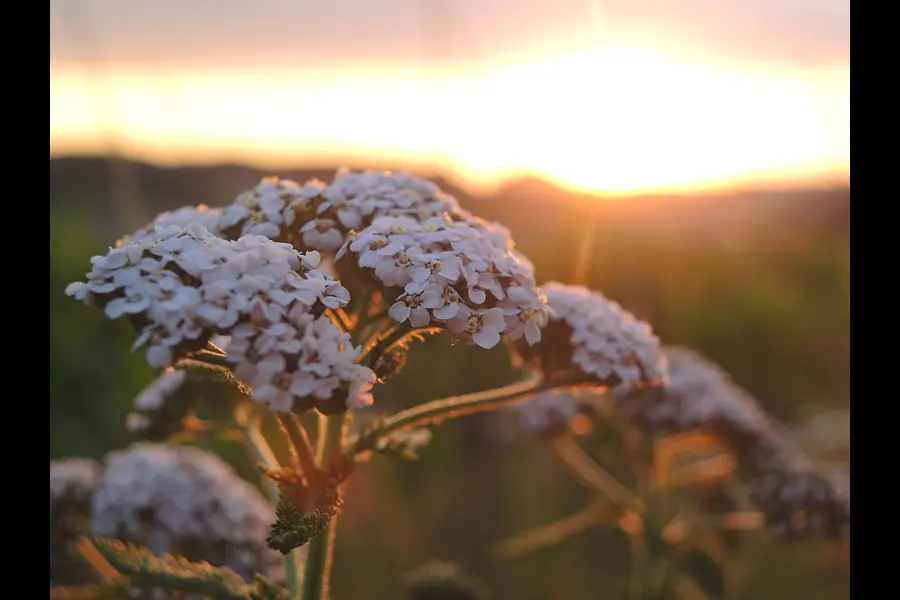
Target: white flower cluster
(184,217)
(300,363)
(801,503)
(463,274)
(550,413)
(319,216)
(73,480)
(72,483)
(153,399)
(182,500)
(607,343)
(181,286)
(699,393)
(270,208)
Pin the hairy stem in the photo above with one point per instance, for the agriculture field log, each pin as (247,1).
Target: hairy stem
(300,444)
(596,476)
(210,358)
(321,548)
(448,408)
(378,346)
(262,452)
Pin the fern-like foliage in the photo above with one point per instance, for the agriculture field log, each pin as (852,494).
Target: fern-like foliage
(200,370)
(294,525)
(294,528)
(146,571)
(307,502)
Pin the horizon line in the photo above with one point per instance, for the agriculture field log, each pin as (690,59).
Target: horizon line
(470,184)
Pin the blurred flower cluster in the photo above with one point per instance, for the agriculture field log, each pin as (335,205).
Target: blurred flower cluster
(170,499)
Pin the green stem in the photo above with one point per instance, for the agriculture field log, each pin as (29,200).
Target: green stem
(262,452)
(448,408)
(685,586)
(596,476)
(321,548)
(300,444)
(640,568)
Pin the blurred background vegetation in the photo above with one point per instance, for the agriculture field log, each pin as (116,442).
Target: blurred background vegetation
(757,281)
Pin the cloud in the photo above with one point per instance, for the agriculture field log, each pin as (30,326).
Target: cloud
(314,34)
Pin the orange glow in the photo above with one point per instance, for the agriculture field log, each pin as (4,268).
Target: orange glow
(611,119)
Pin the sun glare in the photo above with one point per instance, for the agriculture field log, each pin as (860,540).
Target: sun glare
(608,119)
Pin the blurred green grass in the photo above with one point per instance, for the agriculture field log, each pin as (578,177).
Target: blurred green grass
(771,306)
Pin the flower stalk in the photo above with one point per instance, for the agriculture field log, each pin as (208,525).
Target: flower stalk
(595,476)
(448,408)
(321,548)
(300,444)
(256,442)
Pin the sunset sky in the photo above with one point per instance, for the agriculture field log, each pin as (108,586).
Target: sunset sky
(607,96)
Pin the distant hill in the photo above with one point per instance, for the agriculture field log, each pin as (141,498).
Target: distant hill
(524,205)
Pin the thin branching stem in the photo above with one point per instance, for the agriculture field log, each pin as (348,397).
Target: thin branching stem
(215,349)
(449,408)
(595,476)
(545,536)
(640,567)
(379,345)
(685,586)
(340,318)
(300,444)
(262,452)
(321,548)
(211,358)
(322,429)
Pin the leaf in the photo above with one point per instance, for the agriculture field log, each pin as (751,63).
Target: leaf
(147,571)
(294,527)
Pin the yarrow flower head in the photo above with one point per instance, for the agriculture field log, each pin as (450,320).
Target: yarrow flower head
(72,483)
(159,406)
(803,503)
(182,286)
(463,274)
(184,217)
(270,208)
(701,394)
(319,216)
(185,501)
(607,344)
